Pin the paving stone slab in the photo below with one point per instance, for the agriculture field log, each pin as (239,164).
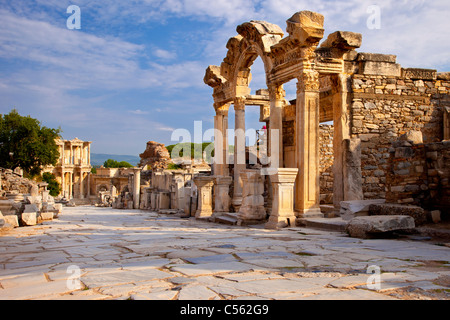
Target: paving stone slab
(211,268)
(355,294)
(196,292)
(35,291)
(218,258)
(123,277)
(159,295)
(149,263)
(250,276)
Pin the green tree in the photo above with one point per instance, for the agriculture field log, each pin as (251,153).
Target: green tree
(111,163)
(25,143)
(53,186)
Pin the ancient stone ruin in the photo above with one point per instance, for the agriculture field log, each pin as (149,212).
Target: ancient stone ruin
(386,153)
(389,132)
(24,202)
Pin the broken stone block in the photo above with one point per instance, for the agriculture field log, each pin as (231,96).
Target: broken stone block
(46,215)
(31,208)
(370,226)
(413,136)
(28,218)
(12,219)
(436,216)
(2,220)
(6,206)
(354,208)
(417,213)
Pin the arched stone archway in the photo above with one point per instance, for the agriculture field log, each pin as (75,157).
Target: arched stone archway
(293,57)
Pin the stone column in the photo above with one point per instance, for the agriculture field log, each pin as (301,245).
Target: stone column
(341,132)
(344,152)
(63,183)
(239,150)
(204,186)
(136,187)
(221,141)
(222,198)
(282,214)
(277,95)
(70,185)
(89,185)
(252,208)
(81,196)
(307,191)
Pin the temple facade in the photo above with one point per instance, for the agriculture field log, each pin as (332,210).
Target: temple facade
(73,168)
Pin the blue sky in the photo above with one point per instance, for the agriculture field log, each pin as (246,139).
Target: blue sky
(134,71)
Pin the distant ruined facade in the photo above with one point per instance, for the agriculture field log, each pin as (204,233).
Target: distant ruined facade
(73,168)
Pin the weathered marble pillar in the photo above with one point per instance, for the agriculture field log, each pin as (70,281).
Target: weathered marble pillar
(346,184)
(136,187)
(282,214)
(89,185)
(222,197)
(239,150)
(63,183)
(252,208)
(81,196)
(204,186)
(276,94)
(221,140)
(70,185)
(307,191)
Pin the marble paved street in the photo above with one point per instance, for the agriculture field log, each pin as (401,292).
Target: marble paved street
(104,253)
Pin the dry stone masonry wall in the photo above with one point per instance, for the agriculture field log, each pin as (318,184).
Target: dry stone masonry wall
(384,108)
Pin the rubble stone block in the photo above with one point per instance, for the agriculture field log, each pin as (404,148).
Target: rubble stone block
(351,209)
(2,220)
(31,208)
(46,215)
(370,226)
(12,219)
(28,218)
(417,213)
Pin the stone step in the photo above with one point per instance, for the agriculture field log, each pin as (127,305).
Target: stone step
(330,224)
(228,218)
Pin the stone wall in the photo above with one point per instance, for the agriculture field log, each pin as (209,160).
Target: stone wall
(419,174)
(385,107)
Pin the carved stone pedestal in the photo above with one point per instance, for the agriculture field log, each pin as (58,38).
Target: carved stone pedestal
(252,208)
(204,186)
(282,215)
(222,198)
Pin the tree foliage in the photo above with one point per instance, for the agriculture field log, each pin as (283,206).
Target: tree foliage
(110,163)
(53,186)
(25,143)
(195,149)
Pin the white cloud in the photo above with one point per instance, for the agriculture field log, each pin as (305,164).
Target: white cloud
(164,54)
(139,112)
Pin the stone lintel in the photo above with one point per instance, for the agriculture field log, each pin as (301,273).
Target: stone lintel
(418,73)
(377,57)
(380,68)
(344,40)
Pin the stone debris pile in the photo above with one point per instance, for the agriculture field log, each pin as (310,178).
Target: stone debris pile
(24,202)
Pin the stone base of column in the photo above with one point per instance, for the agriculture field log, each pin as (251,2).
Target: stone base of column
(310,213)
(280,222)
(236,203)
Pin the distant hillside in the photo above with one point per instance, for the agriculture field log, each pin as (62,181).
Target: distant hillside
(97,159)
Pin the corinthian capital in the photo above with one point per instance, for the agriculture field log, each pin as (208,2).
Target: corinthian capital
(239,103)
(308,81)
(277,92)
